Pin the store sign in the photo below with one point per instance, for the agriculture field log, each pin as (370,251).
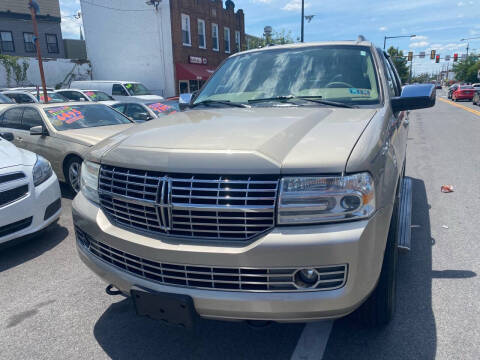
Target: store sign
(197,60)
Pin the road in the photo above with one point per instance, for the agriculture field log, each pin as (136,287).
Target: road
(54,308)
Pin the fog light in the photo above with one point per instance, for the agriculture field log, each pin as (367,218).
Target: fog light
(350,202)
(306,278)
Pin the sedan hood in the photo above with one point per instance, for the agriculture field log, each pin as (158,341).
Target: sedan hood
(283,139)
(10,155)
(93,135)
(149,97)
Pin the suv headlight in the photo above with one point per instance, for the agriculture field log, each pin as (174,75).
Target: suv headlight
(42,170)
(89,180)
(316,199)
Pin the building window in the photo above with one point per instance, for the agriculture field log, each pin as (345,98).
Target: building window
(226,36)
(28,42)
(52,43)
(186,39)
(201,34)
(215,37)
(237,40)
(7,41)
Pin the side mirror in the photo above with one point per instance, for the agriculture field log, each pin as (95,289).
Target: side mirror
(415,97)
(142,116)
(7,136)
(38,130)
(184,100)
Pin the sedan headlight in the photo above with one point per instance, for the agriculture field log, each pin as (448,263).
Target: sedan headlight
(42,170)
(89,180)
(316,199)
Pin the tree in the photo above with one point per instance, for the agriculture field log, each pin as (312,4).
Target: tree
(400,63)
(277,38)
(467,70)
(422,78)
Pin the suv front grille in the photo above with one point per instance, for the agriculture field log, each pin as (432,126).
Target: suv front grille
(197,206)
(209,277)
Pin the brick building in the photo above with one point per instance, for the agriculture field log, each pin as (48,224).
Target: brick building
(16,29)
(204,33)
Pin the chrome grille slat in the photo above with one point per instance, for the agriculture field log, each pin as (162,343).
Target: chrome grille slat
(233,207)
(210,277)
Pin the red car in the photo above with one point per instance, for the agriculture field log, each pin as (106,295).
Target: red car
(463,92)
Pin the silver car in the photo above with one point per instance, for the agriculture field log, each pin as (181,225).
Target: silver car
(62,133)
(279,195)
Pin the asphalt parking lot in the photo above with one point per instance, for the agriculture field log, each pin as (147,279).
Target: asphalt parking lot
(54,307)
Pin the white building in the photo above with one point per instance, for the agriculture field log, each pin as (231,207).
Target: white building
(130,40)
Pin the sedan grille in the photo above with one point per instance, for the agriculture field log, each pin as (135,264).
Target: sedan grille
(209,277)
(197,206)
(11,195)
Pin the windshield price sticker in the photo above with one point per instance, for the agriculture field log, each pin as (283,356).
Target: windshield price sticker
(66,114)
(91,94)
(361,92)
(159,107)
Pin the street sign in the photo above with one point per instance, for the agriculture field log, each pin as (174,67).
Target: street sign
(447,57)
(422,55)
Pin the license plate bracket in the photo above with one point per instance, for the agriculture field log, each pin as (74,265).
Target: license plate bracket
(173,309)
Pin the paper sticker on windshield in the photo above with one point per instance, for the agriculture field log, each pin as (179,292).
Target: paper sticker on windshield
(66,114)
(159,107)
(91,94)
(359,92)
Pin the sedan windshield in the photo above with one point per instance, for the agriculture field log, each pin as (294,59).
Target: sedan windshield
(53,97)
(338,73)
(164,108)
(98,95)
(5,99)
(83,116)
(137,89)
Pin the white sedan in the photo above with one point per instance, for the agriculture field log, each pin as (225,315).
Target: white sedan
(29,192)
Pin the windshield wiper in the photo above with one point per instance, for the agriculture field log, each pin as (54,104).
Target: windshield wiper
(223,102)
(316,99)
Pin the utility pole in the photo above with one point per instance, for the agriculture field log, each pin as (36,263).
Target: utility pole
(33,10)
(303,14)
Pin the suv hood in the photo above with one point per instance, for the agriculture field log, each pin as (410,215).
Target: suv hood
(93,135)
(283,139)
(10,155)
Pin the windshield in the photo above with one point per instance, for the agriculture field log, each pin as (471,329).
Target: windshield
(83,116)
(98,95)
(164,108)
(466,87)
(137,89)
(338,73)
(5,99)
(53,97)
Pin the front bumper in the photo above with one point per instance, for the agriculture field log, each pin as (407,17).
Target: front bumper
(39,204)
(359,244)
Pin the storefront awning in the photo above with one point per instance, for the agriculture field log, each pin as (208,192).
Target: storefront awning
(193,72)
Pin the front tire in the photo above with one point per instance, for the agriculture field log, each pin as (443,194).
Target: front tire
(72,173)
(379,308)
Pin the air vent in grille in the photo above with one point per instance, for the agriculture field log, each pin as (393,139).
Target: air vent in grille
(207,277)
(11,195)
(199,206)
(11,177)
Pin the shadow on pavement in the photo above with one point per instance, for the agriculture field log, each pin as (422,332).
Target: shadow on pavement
(21,250)
(123,335)
(412,333)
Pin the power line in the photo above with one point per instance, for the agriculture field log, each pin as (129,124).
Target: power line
(112,8)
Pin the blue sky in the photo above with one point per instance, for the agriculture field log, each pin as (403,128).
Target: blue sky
(438,24)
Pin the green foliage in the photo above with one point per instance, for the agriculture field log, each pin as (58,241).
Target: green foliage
(400,63)
(277,38)
(423,78)
(13,67)
(466,70)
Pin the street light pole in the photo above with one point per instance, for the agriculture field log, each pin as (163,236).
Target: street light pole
(468,43)
(395,37)
(303,14)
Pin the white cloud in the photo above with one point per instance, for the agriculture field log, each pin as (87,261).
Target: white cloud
(382,28)
(461,3)
(419,38)
(262,1)
(419,44)
(447,47)
(294,5)
(70,26)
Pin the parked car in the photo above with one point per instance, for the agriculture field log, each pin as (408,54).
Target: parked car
(26,97)
(451,90)
(463,92)
(476,86)
(29,192)
(145,111)
(119,90)
(272,198)
(5,101)
(62,133)
(85,95)
(476,97)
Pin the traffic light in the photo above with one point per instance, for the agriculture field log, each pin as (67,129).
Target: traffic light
(437,59)
(432,54)
(410,55)
(455,57)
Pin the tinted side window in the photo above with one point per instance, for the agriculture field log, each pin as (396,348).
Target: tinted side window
(13,118)
(395,77)
(118,90)
(134,109)
(31,118)
(119,107)
(390,82)
(73,95)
